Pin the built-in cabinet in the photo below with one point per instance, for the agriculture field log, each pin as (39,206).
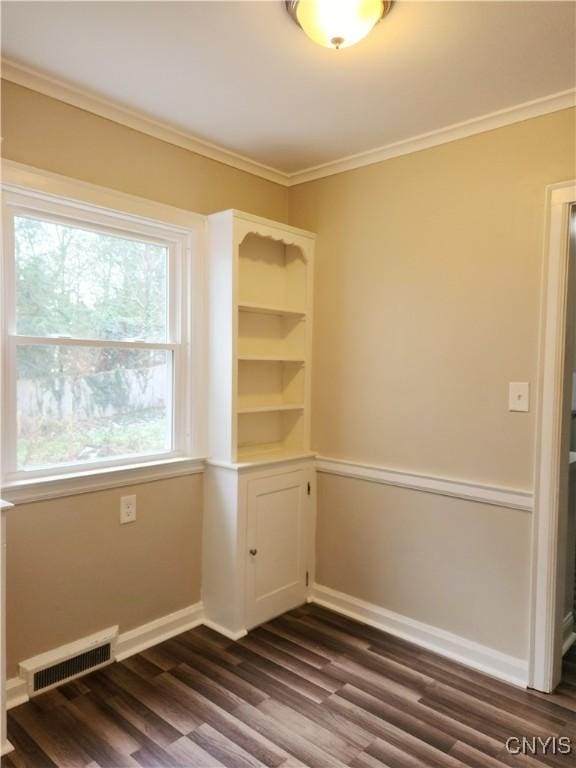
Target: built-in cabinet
(259,510)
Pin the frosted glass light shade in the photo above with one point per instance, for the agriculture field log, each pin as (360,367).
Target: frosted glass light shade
(338,23)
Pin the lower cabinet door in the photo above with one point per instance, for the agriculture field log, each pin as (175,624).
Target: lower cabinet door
(277,545)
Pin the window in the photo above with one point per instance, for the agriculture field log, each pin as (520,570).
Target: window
(96,353)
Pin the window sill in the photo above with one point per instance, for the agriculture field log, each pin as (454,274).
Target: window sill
(40,489)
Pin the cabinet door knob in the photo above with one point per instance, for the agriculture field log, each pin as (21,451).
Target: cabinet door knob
(253,552)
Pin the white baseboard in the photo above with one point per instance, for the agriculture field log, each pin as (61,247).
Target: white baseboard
(6,748)
(128,643)
(147,635)
(495,663)
(480,657)
(568,634)
(223,631)
(16,692)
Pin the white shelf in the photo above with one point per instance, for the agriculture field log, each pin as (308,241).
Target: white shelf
(271,359)
(271,408)
(261,315)
(268,453)
(270,310)
(263,460)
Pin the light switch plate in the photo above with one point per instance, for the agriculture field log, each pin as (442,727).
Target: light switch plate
(519,396)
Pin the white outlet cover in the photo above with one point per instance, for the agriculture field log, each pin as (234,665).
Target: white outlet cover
(127,509)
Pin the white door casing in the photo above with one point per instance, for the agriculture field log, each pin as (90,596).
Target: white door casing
(550,509)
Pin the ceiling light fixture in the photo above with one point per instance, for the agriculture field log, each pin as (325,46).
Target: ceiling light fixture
(337,23)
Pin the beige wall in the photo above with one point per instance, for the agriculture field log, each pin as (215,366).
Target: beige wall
(49,134)
(428,271)
(450,563)
(427,291)
(71,568)
(426,305)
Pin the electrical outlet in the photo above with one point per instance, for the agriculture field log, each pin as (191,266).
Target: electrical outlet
(127,509)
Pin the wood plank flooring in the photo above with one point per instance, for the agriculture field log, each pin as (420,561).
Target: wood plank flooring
(310,688)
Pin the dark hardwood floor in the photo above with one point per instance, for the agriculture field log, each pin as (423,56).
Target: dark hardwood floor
(309,689)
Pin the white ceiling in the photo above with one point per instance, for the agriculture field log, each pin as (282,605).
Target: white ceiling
(243,76)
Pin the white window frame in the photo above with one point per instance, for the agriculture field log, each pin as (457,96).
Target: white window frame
(184,241)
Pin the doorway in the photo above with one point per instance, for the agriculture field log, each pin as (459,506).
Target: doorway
(552,469)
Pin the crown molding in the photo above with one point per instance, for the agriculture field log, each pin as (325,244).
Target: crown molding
(77,97)
(90,102)
(529,109)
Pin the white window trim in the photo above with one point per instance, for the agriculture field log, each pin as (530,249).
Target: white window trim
(29,189)
(101,479)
